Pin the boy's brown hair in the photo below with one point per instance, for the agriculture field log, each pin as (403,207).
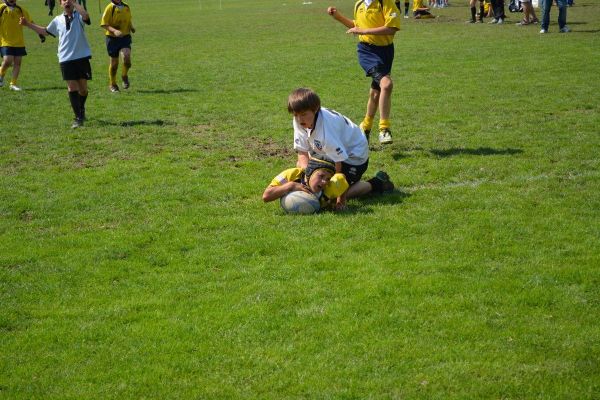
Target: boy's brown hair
(303,99)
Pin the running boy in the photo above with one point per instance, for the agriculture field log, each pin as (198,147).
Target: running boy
(73,53)
(375,22)
(318,130)
(12,43)
(116,20)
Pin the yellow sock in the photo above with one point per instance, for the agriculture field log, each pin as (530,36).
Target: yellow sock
(112,74)
(124,70)
(13,81)
(2,72)
(367,123)
(384,124)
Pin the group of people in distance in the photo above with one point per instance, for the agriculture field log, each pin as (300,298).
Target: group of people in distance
(73,48)
(529,16)
(333,152)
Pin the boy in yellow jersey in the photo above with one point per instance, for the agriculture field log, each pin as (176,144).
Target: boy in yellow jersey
(375,22)
(320,179)
(472,6)
(420,11)
(116,20)
(12,43)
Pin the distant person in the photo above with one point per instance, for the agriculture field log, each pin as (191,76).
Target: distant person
(406,7)
(116,21)
(474,18)
(375,22)
(83,3)
(51,4)
(73,53)
(562,16)
(420,11)
(529,16)
(499,15)
(326,133)
(12,42)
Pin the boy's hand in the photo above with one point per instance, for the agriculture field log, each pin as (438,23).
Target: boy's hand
(331,11)
(23,21)
(340,204)
(297,187)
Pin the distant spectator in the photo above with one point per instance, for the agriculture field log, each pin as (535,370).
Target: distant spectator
(562,16)
(529,16)
(420,11)
(472,4)
(51,4)
(499,16)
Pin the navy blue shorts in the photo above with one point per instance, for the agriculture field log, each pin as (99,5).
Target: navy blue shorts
(115,44)
(76,70)
(376,61)
(12,51)
(353,173)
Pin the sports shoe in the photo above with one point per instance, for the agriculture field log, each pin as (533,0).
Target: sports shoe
(493,21)
(544,31)
(471,21)
(406,16)
(15,88)
(385,136)
(534,21)
(1,81)
(77,123)
(523,23)
(367,132)
(500,21)
(114,88)
(565,29)
(386,184)
(125,82)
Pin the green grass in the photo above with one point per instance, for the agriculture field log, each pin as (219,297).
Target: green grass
(137,259)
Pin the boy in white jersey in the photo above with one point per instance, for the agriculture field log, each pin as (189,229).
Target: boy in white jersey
(324,132)
(73,53)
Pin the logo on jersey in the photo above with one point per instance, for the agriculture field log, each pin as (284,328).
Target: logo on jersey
(339,151)
(318,145)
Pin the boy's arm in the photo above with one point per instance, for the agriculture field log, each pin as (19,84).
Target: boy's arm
(40,30)
(302,159)
(382,30)
(275,192)
(82,11)
(348,23)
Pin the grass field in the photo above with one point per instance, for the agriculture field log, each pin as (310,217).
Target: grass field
(137,259)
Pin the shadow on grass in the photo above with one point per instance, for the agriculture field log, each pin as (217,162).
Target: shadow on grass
(480,151)
(47,89)
(154,122)
(167,91)
(363,205)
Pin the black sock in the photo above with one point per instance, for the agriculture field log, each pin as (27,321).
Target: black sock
(376,185)
(75,103)
(473,12)
(406,7)
(82,100)
(481,12)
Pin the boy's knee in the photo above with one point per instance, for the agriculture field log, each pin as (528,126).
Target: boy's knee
(386,83)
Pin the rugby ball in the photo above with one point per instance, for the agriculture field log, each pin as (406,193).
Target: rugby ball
(300,202)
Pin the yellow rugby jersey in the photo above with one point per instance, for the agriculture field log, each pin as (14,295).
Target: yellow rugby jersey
(418,4)
(378,13)
(119,17)
(335,188)
(11,33)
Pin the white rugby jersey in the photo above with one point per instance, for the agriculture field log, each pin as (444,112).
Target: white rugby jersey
(334,136)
